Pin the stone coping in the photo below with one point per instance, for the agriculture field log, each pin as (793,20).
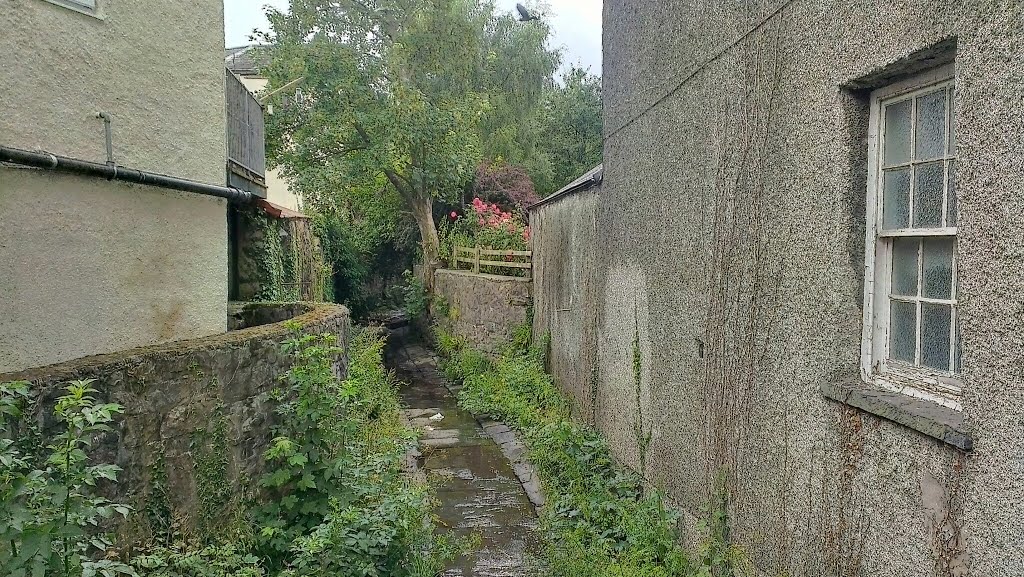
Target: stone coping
(923,416)
(494,277)
(316,314)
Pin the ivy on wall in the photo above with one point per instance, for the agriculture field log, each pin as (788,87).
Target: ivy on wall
(281,260)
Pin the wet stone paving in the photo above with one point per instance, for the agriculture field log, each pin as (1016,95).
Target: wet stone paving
(478,471)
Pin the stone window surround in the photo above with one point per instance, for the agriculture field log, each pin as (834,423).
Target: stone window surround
(923,416)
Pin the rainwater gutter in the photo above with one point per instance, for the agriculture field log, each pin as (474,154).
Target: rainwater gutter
(111,171)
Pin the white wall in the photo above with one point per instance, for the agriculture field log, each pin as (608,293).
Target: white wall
(90,266)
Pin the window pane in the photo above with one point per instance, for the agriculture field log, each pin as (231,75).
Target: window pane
(897,133)
(928,179)
(930,135)
(952,124)
(935,328)
(902,331)
(937,275)
(904,266)
(896,199)
(951,192)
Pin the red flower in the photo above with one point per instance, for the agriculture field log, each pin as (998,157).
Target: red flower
(455,215)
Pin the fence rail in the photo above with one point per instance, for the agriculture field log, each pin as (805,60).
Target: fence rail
(475,257)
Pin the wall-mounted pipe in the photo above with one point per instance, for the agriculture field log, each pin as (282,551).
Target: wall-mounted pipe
(47,161)
(108,134)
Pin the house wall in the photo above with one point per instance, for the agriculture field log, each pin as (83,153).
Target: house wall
(563,240)
(731,241)
(92,266)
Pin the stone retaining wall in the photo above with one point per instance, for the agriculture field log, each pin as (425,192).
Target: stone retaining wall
(197,416)
(483,308)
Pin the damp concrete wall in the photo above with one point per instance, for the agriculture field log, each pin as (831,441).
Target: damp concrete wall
(92,266)
(197,415)
(484,309)
(731,235)
(563,240)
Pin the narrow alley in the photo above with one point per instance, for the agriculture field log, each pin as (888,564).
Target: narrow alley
(477,486)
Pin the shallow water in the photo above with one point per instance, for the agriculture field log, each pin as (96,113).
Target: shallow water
(477,489)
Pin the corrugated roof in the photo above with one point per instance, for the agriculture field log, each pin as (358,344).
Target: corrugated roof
(589,179)
(277,211)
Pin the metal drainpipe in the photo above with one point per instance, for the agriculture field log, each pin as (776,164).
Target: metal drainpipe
(108,135)
(111,171)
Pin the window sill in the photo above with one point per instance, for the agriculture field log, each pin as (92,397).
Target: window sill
(926,417)
(94,12)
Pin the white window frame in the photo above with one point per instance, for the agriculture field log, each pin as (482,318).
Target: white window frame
(87,7)
(941,387)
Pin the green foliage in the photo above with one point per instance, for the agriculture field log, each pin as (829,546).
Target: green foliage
(215,490)
(210,561)
(571,128)
(336,500)
(599,521)
(416,297)
(273,269)
(365,238)
(458,359)
(50,509)
(411,93)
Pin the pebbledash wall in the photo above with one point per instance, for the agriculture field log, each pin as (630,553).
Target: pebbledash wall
(563,232)
(729,246)
(197,414)
(484,309)
(91,266)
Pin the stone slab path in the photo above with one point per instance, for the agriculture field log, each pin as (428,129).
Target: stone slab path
(478,488)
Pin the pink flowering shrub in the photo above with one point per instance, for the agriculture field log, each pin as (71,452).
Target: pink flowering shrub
(505,184)
(485,225)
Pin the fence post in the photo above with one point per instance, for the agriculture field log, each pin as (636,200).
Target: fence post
(455,257)
(476,265)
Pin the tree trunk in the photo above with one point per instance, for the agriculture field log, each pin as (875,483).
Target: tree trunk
(423,211)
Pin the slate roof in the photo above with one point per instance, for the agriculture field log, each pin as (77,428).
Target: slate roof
(589,179)
(243,60)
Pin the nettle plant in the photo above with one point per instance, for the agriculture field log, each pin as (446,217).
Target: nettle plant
(336,501)
(51,516)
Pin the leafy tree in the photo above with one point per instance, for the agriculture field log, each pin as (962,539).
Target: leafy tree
(399,89)
(572,125)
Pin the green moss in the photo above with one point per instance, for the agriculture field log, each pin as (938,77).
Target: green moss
(210,461)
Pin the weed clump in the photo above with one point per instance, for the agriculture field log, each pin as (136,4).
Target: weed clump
(598,521)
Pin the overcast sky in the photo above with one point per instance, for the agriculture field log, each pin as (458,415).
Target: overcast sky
(576,23)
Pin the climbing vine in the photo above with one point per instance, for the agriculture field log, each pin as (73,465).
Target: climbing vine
(643,438)
(209,449)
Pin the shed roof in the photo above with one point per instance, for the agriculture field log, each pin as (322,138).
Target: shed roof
(589,179)
(243,60)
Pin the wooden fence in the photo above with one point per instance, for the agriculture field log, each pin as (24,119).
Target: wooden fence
(487,258)
(245,133)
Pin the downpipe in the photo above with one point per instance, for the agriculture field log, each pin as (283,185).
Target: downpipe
(111,171)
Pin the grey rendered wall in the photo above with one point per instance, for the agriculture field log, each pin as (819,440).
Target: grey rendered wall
(564,292)
(90,266)
(731,243)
